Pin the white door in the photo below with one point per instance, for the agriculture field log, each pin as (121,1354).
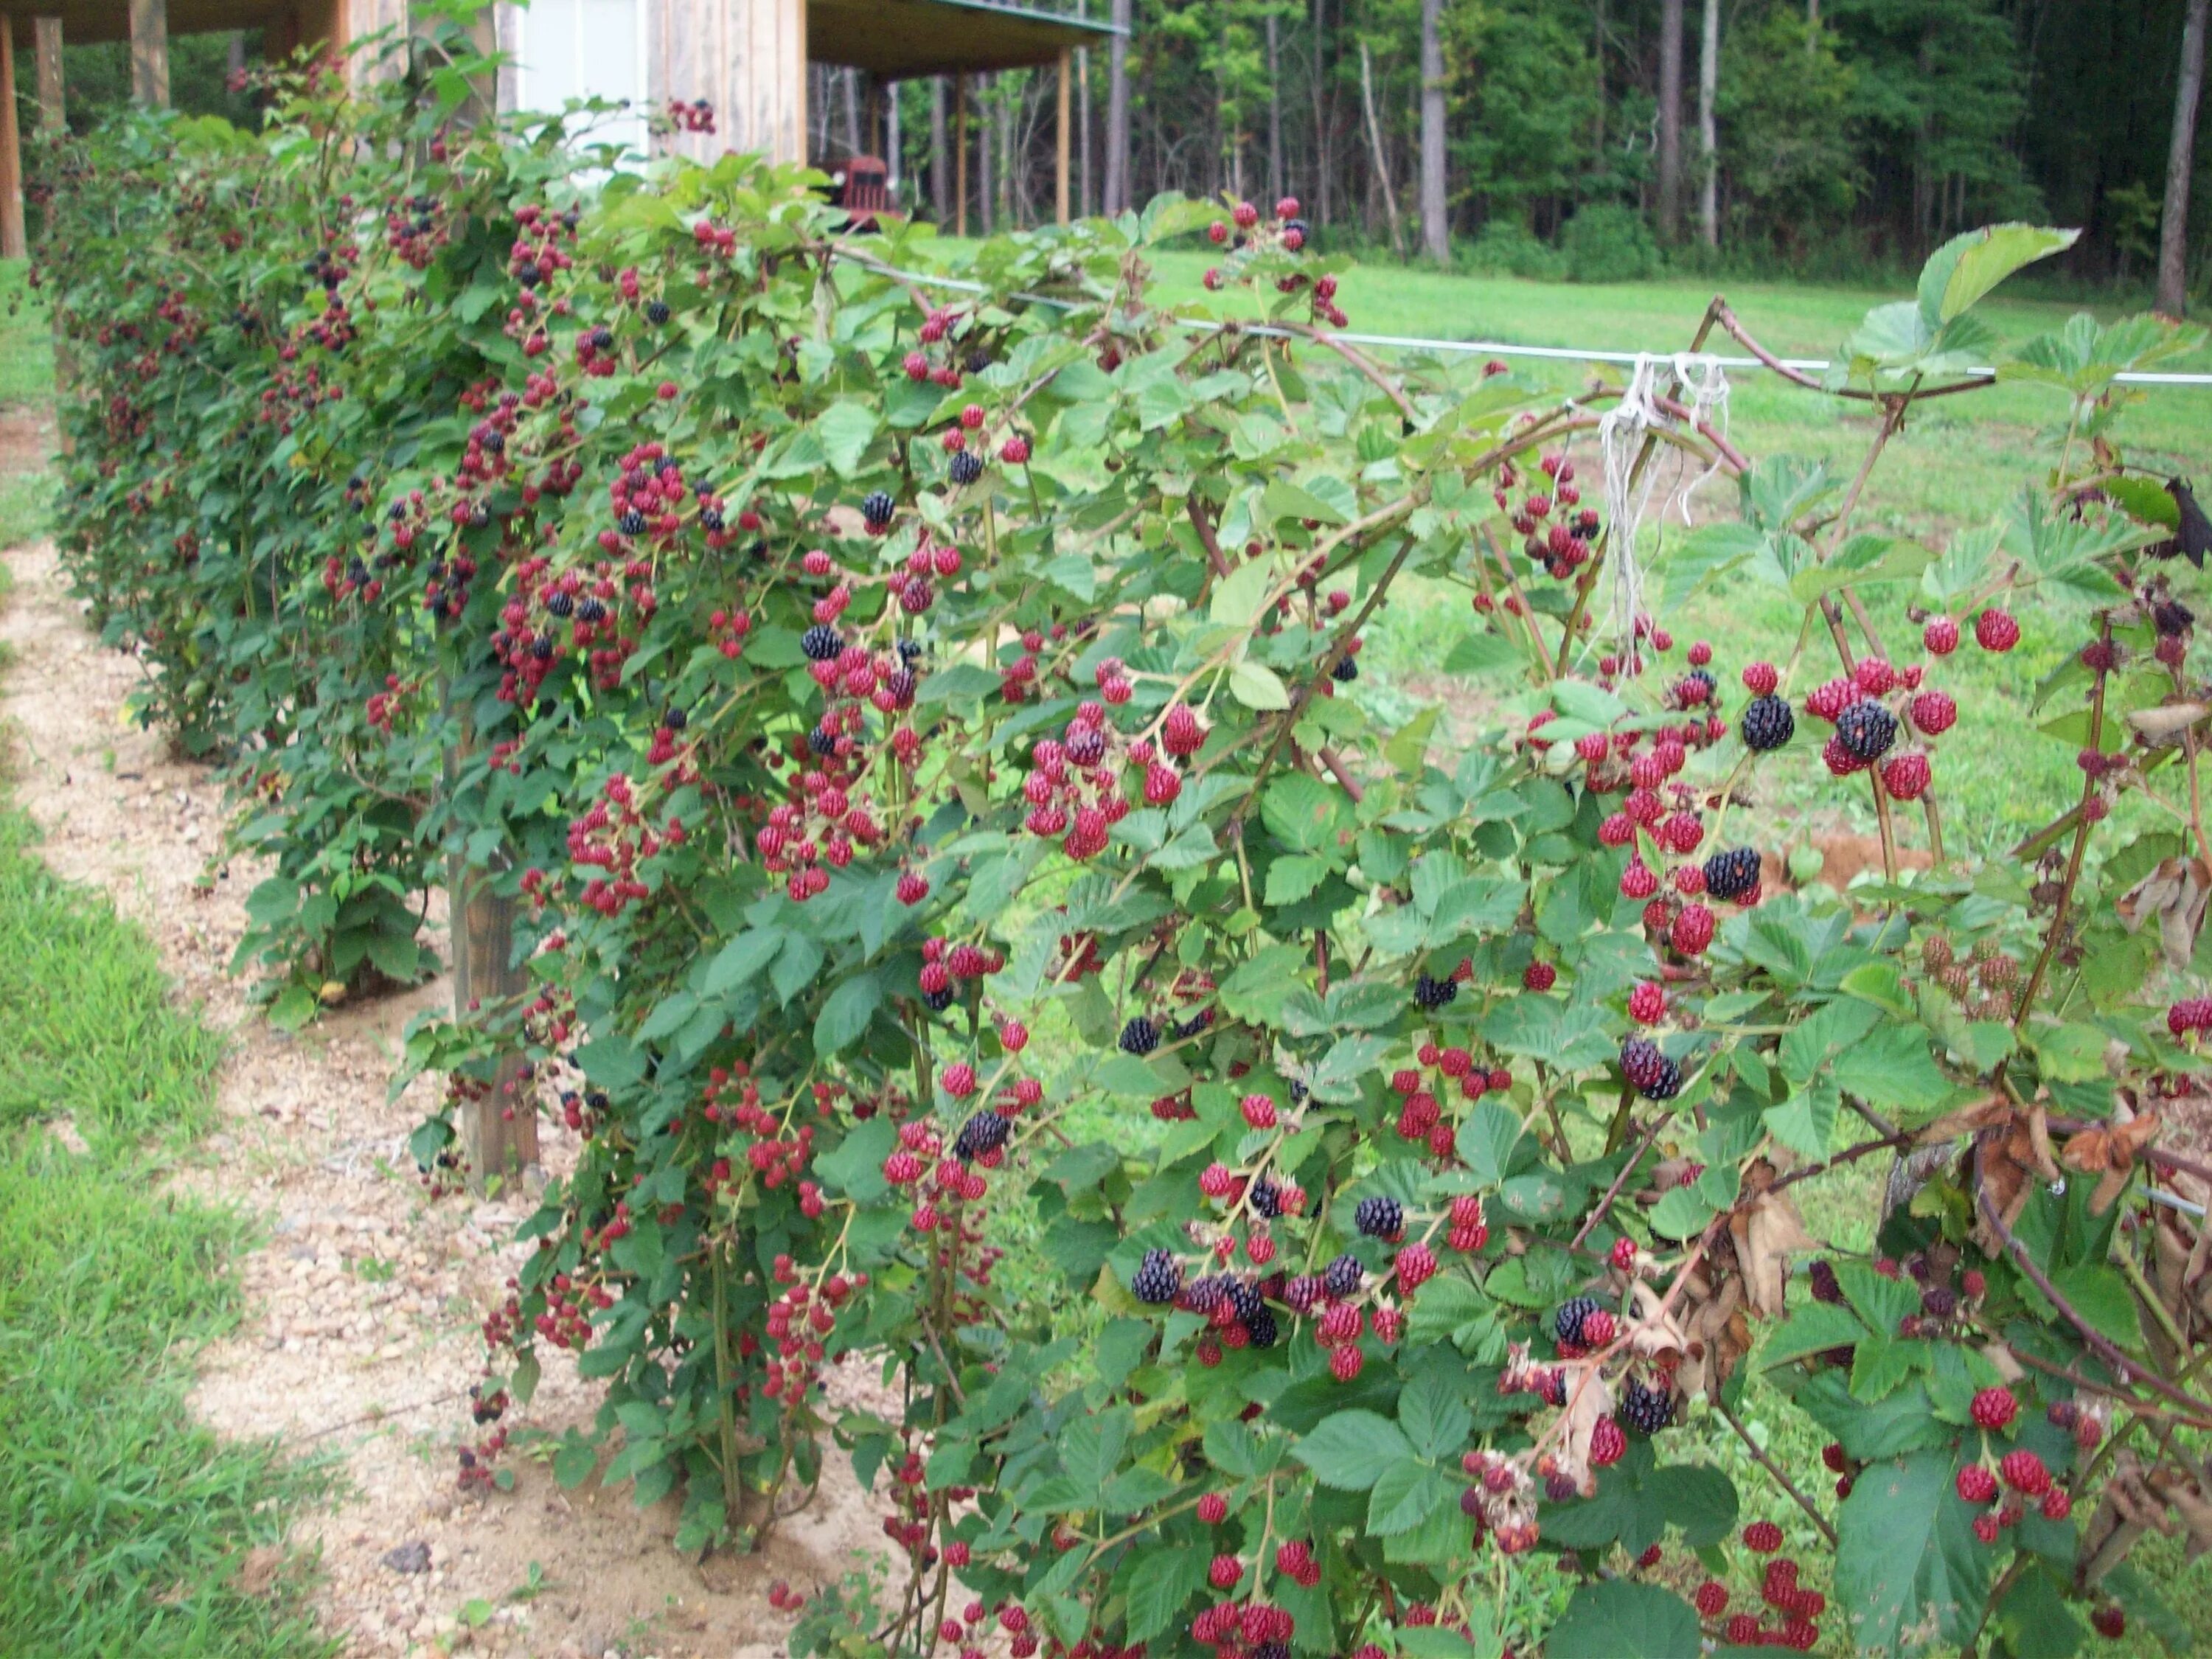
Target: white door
(585,49)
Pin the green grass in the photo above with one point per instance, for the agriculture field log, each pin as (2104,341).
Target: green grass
(123,1523)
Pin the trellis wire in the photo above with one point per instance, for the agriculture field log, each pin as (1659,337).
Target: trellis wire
(1500,348)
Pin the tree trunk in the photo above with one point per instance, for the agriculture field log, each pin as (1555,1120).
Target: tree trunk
(1117,112)
(1670,121)
(852,79)
(1436,226)
(2180,162)
(1597,60)
(1275,190)
(1709,79)
(940,157)
(894,140)
(1323,150)
(1381,155)
(983,158)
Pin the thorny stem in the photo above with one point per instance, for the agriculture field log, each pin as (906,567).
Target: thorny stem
(1774,1470)
(2059,911)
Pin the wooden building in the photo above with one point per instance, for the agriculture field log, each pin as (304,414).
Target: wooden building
(748,58)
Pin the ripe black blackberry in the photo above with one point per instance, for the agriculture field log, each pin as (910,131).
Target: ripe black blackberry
(1139,1036)
(710,518)
(1434,992)
(877,508)
(631,523)
(823,741)
(938,1001)
(1567,1323)
(1158,1277)
(1654,1075)
(1380,1218)
(656,312)
(1767,724)
(967,467)
(978,360)
(562,605)
(1267,1197)
(986,1132)
(591,610)
(1244,1300)
(901,684)
(1344,1276)
(1346,672)
(1646,1410)
(1867,729)
(821,642)
(2172,617)
(1732,874)
(1261,1327)
(1203,1295)
(676,718)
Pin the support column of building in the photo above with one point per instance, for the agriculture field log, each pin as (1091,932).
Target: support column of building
(12,244)
(149,53)
(48,50)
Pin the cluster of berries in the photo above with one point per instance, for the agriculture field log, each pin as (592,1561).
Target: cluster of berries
(614,838)
(1074,786)
(1420,1110)
(1778,1588)
(1556,531)
(799,1323)
(930,364)
(943,965)
(698,116)
(414,230)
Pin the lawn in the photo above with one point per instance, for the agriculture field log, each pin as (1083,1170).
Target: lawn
(124,1525)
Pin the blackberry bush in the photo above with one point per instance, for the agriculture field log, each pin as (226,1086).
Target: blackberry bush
(1351,1079)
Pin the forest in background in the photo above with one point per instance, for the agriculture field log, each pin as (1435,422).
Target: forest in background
(1838,139)
(1845,137)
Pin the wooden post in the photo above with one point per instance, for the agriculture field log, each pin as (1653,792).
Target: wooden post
(12,245)
(1060,152)
(48,52)
(960,154)
(149,53)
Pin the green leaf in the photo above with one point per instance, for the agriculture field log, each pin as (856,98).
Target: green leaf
(1968,266)
(1294,876)
(846,1014)
(1815,1327)
(1238,598)
(1892,1067)
(1805,1120)
(856,1167)
(1405,1494)
(845,431)
(1159,1581)
(1283,500)
(1259,986)
(1615,1617)
(1256,686)
(1337,1078)
(741,958)
(1699,1498)
(2101,1296)
(1350,1449)
(1303,813)
(1486,1138)
(1434,1417)
(959,682)
(2036,1619)
(1681,1213)
(1909,1572)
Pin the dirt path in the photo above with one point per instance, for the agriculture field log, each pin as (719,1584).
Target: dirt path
(360,1339)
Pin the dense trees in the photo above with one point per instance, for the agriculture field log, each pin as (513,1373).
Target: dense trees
(1821,132)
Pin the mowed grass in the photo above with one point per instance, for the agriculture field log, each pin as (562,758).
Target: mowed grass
(124,1525)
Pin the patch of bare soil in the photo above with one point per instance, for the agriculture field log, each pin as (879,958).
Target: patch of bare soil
(361,1338)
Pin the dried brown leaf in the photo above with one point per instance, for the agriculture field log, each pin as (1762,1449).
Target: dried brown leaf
(2173,894)
(1767,1229)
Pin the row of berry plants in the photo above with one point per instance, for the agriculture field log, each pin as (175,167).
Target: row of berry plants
(1299,1171)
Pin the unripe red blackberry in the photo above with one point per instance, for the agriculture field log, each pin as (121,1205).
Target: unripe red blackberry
(1213,1509)
(1538,977)
(1224,1572)
(1996,630)
(1993,1408)
(2110,1621)
(1940,637)
(1839,760)
(1934,712)
(1015,451)
(1986,1528)
(1647,1003)
(1742,1630)
(1639,881)
(1832,1455)
(1598,1329)
(1762,1538)
(1977,1485)
(1345,1361)
(1623,1255)
(2058,1504)
(1416,1265)
(2023,1471)
(1906,777)
(1692,930)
